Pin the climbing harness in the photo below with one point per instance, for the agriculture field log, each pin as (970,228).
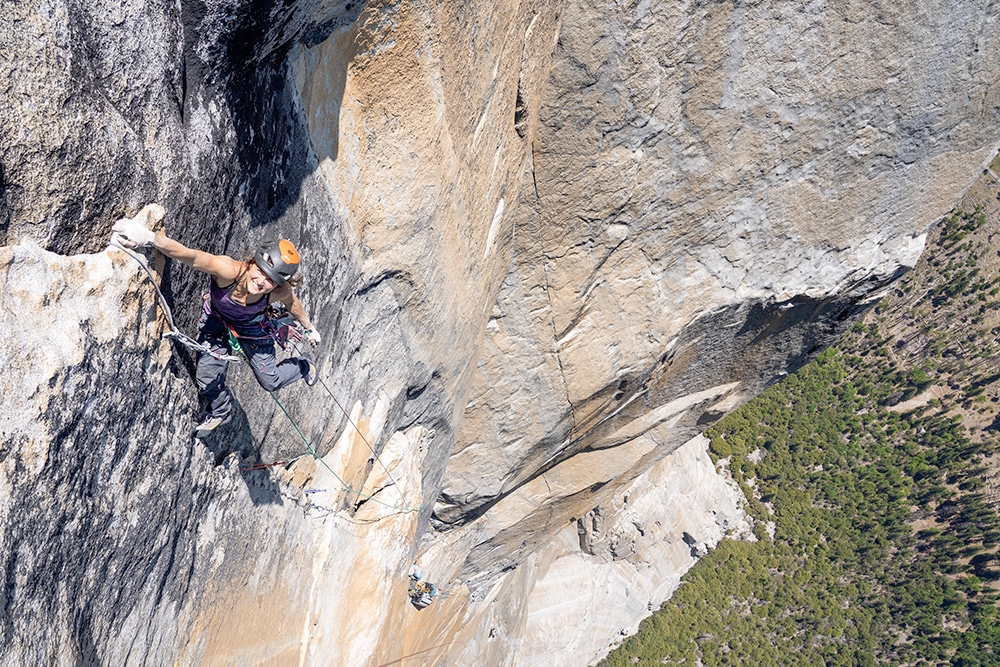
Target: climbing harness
(280,325)
(174,333)
(275,322)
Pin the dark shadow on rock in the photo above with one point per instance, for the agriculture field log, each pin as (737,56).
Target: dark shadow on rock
(87,656)
(274,149)
(237,438)
(4,207)
(261,486)
(763,341)
(226,439)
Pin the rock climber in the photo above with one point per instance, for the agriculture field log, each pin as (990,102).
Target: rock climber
(421,592)
(240,292)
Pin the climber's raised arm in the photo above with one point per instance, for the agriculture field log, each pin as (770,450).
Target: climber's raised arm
(223,267)
(133,234)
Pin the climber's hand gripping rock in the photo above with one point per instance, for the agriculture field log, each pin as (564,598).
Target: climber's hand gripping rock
(133,234)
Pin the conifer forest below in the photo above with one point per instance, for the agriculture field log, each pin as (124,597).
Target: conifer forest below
(873,479)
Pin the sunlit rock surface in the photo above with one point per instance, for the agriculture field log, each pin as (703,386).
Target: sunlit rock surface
(716,189)
(588,587)
(546,243)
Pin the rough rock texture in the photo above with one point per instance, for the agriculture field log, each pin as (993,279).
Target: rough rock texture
(588,587)
(716,188)
(546,243)
(125,542)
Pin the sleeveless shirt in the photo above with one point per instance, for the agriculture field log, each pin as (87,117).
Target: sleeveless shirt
(245,319)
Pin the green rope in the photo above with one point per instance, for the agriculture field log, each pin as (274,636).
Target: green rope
(235,344)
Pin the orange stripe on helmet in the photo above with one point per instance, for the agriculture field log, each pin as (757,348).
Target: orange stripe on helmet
(289,255)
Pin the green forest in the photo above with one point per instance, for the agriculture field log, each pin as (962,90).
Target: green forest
(872,499)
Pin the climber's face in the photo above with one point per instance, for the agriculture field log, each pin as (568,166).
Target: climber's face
(257,282)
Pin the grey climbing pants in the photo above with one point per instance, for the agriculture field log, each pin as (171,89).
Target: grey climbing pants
(272,375)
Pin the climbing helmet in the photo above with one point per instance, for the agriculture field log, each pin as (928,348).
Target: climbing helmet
(279,260)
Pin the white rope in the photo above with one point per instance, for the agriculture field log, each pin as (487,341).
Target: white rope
(174,333)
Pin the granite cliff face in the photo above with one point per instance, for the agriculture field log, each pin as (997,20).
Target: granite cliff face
(547,244)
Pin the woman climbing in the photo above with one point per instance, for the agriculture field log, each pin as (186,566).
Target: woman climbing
(240,292)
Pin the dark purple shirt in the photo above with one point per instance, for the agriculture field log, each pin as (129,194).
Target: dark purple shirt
(246,320)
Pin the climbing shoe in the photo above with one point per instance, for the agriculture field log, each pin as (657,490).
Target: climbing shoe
(312,375)
(209,424)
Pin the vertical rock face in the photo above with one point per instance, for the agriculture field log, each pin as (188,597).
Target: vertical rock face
(357,130)
(716,189)
(546,243)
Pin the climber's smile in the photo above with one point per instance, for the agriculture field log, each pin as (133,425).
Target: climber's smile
(257,282)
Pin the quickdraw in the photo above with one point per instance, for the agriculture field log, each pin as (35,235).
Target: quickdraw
(281,326)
